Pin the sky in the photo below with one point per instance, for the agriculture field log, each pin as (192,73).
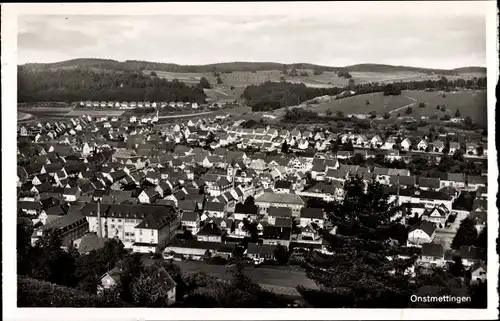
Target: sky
(427,34)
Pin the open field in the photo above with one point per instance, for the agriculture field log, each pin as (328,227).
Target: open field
(471,103)
(273,279)
(326,79)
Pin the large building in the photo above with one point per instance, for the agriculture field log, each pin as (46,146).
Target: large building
(141,227)
(268,199)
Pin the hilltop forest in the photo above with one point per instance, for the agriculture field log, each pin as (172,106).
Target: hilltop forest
(87,84)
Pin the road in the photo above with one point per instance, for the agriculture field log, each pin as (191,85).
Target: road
(405,106)
(185,115)
(280,280)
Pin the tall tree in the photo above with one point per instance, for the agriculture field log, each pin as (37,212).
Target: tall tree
(466,234)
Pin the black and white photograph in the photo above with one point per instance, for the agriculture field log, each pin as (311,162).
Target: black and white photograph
(268,157)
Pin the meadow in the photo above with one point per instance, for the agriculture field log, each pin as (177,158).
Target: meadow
(470,103)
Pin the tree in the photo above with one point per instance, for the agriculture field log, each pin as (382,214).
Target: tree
(318,71)
(373,114)
(438,107)
(466,234)
(359,274)
(443,108)
(351,82)
(293,73)
(340,114)
(204,83)
(284,147)
(358,159)
(482,239)
(329,112)
(219,80)
(367,102)
(408,110)
(457,268)
(281,254)
(153,74)
(232,87)
(421,105)
(387,115)
(468,121)
(457,113)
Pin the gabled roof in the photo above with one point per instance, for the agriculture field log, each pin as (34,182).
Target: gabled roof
(426,226)
(280,211)
(432,249)
(313,213)
(214,207)
(210,229)
(189,217)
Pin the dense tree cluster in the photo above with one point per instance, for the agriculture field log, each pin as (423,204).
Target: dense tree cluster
(344,74)
(274,95)
(87,84)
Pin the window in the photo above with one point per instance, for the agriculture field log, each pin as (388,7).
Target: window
(112,226)
(152,232)
(119,221)
(140,232)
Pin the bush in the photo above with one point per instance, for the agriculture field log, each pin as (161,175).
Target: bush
(304,74)
(421,105)
(387,115)
(408,110)
(367,102)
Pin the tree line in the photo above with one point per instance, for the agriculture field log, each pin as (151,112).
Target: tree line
(87,84)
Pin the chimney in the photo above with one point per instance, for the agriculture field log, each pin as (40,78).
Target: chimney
(99,225)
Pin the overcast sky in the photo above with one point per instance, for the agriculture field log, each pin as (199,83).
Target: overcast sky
(425,35)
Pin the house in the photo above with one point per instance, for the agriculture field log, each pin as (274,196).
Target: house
(214,209)
(480,219)
(472,255)
(421,233)
(376,141)
(274,235)
(210,232)
(282,187)
(432,255)
(269,199)
(478,273)
(149,195)
(245,210)
(406,144)
(437,215)
(260,253)
(110,279)
(312,215)
(456,180)
(429,183)
(154,231)
(422,145)
(454,146)
(278,212)
(190,221)
(68,228)
(471,148)
(474,182)
(71,194)
(438,146)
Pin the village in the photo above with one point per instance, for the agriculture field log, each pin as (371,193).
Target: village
(203,188)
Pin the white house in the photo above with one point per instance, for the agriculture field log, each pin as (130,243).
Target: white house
(421,233)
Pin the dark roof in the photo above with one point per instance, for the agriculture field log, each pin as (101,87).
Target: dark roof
(276,233)
(262,249)
(429,182)
(403,180)
(157,220)
(90,242)
(210,229)
(432,249)
(282,184)
(189,217)
(479,217)
(214,207)
(245,209)
(426,226)
(28,205)
(55,210)
(186,205)
(314,213)
(283,222)
(472,253)
(280,211)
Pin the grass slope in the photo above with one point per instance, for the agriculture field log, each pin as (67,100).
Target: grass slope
(471,103)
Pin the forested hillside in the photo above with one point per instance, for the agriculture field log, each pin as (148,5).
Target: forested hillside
(87,84)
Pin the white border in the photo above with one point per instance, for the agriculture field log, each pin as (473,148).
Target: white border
(9,98)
